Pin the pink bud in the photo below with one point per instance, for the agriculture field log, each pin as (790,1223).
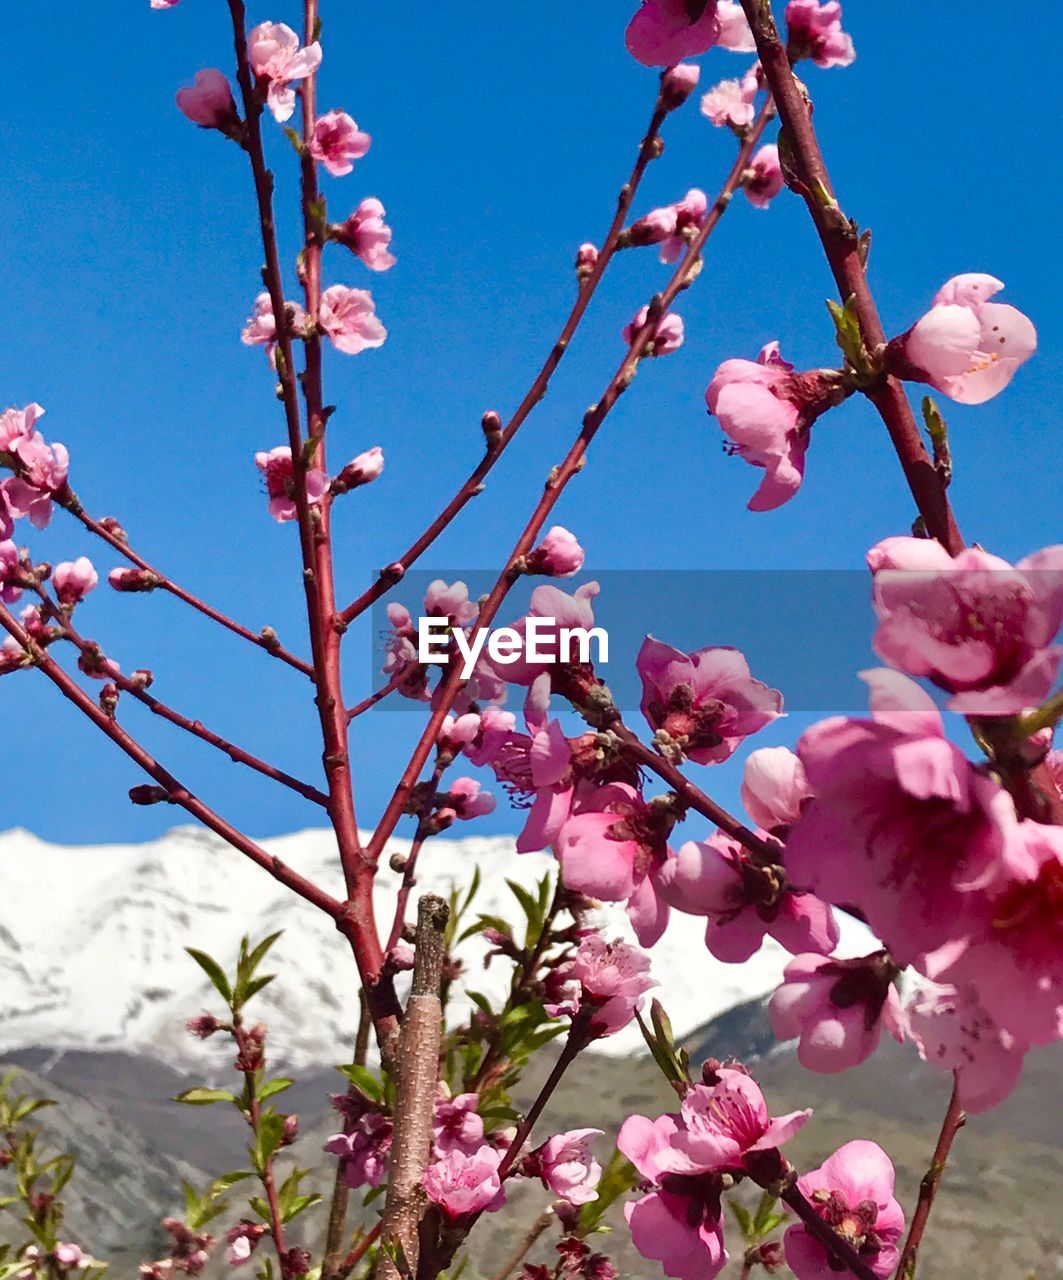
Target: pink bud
(559,555)
(667,334)
(361,470)
(586,260)
(74,580)
(209,102)
(130,580)
(678,83)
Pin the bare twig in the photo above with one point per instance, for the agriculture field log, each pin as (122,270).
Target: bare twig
(928,1188)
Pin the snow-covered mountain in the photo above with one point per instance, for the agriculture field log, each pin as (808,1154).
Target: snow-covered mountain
(92,942)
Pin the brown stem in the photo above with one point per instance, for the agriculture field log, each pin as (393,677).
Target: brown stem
(265,1174)
(314,537)
(928,1188)
(195,727)
(176,792)
(263,640)
(541,1223)
(418,1070)
(649,149)
(841,244)
(332,1268)
(559,478)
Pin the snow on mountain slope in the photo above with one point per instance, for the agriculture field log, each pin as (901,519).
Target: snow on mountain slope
(92,942)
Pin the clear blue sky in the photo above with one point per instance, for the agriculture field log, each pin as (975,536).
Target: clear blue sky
(500,136)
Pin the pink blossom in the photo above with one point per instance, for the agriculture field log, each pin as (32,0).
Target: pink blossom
(449,601)
(814,30)
(837,1009)
(559,555)
(73,580)
(242,1240)
(653,227)
(704,703)
(900,824)
(723,1123)
(130,581)
(70,1255)
(972,623)
(765,179)
(17,425)
(279,471)
(689,215)
(567,1167)
(1013,940)
(734,29)
(349,318)
(744,902)
(853,1192)
(494,729)
(276,57)
(363,469)
(605,980)
(367,235)
(666,336)
(613,848)
(337,141)
(363,1149)
(774,788)
(209,101)
(465,800)
(457,1126)
(678,83)
(10,573)
(965,346)
(586,261)
(42,469)
(664,32)
(563,610)
(12,655)
(463,1184)
(164,4)
(730,103)
(768,410)
(954,1033)
(261,327)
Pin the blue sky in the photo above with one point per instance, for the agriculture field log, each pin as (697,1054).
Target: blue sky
(500,137)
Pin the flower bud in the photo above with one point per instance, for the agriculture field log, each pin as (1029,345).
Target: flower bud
(147,795)
(133,580)
(678,83)
(361,470)
(586,261)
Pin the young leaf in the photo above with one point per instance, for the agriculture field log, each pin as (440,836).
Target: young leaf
(205,1097)
(214,972)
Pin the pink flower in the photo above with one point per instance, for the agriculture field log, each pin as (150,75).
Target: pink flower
(704,703)
(689,215)
(664,32)
(774,788)
(1013,940)
(734,29)
(209,101)
(337,141)
(678,83)
(164,4)
(43,470)
(765,180)
(562,610)
(69,1255)
(744,902)
(567,1167)
(17,425)
(449,601)
(681,1156)
(666,337)
(901,824)
(242,1240)
(730,103)
(457,1126)
(853,1192)
(261,327)
(605,979)
(613,848)
(463,1184)
(837,1009)
(349,318)
(279,471)
(954,1033)
(972,623)
(465,800)
(965,346)
(363,469)
(767,410)
(814,30)
(559,555)
(73,580)
(276,57)
(364,1149)
(367,235)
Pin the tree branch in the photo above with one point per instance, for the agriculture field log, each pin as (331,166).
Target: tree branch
(928,1188)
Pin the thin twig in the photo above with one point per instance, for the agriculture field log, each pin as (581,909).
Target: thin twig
(928,1188)
(541,1223)
(335,1259)
(841,244)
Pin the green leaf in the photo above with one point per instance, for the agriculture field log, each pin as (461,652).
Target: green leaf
(363,1080)
(268,1139)
(764,1213)
(214,972)
(259,954)
(272,1087)
(205,1097)
(299,1204)
(745,1221)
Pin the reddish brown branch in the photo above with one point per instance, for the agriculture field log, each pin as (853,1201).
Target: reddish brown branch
(841,244)
(559,478)
(928,1188)
(263,640)
(176,792)
(840,1248)
(649,149)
